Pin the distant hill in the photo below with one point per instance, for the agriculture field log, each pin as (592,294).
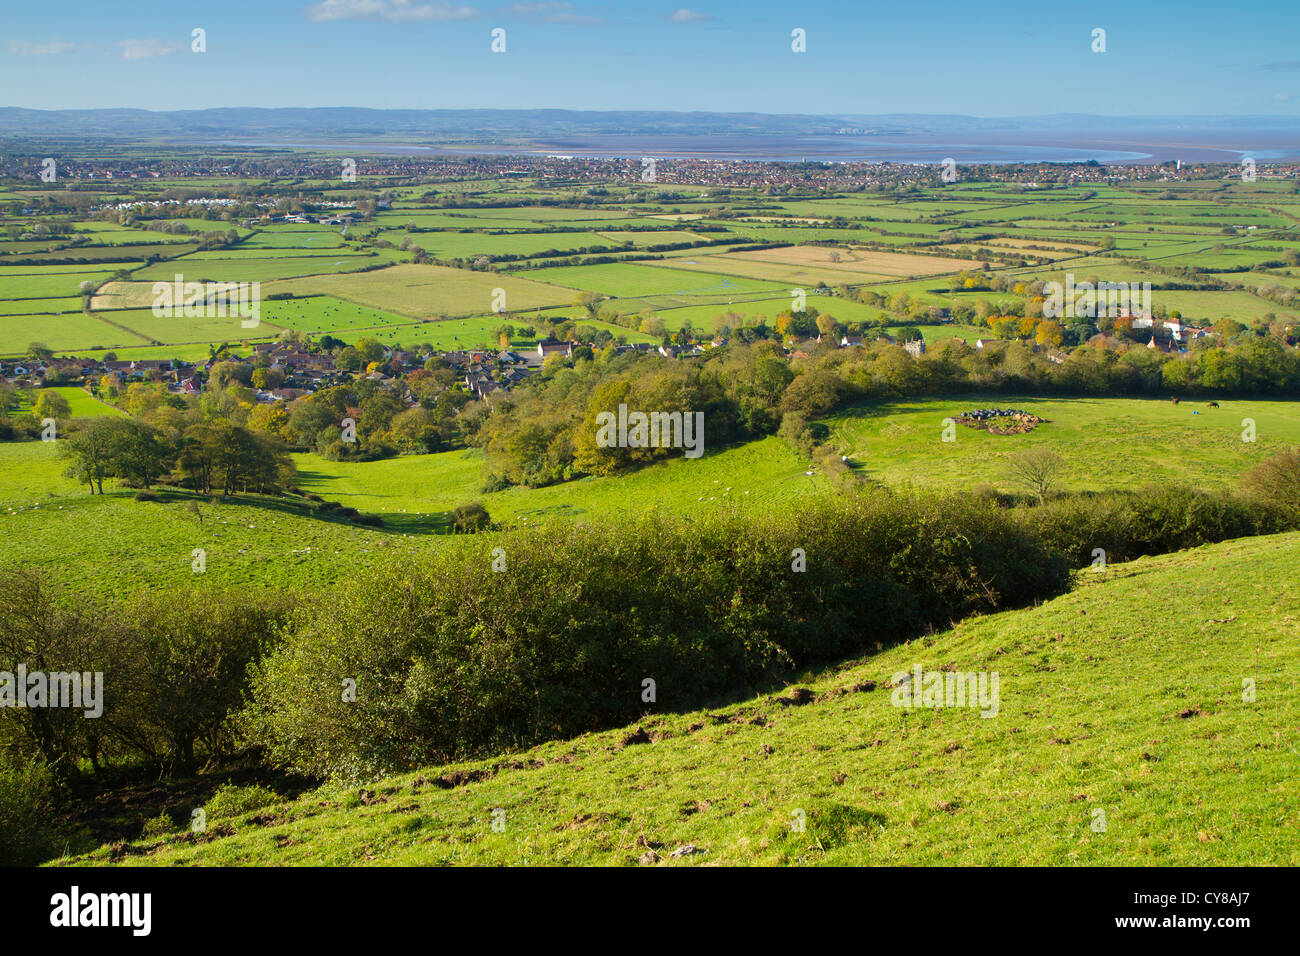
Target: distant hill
(526,126)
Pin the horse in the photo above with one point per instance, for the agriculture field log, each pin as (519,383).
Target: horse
(1214,404)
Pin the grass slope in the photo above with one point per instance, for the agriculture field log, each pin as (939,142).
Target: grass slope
(414,492)
(112,544)
(1124,696)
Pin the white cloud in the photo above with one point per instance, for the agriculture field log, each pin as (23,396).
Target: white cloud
(688,16)
(148,49)
(552,11)
(54,47)
(390,11)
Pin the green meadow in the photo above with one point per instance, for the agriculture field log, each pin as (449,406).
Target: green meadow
(1107,443)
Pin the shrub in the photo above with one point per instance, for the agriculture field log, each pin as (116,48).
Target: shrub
(470,518)
(173,664)
(1275,484)
(26,789)
(158,826)
(1154,520)
(230,800)
(451,658)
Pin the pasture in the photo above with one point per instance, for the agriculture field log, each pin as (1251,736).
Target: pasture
(1107,443)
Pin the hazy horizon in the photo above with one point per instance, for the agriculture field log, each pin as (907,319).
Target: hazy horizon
(727,56)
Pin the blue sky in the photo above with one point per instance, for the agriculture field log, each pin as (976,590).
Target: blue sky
(863,56)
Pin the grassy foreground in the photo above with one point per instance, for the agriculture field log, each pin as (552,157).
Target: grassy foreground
(1124,696)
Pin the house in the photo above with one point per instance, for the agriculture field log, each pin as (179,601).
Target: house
(915,348)
(480,385)
(851,342)
(288,394)
(548,347)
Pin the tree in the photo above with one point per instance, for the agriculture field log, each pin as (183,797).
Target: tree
(1050,333)
(138,454)
(827,325)
(109,384)
(50,404)
(1037,470)
(590,301)
(652,325)
(369,349)
(89,447)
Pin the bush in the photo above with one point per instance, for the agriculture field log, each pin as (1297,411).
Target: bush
(158,826)
(451,658)
(174,665)
(232,801)
(26,789)
(1275,484)
(470,518)
(1154,520)
(494,483)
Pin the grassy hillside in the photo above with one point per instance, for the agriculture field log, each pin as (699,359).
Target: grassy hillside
(413,493)
(1125,696)
(110,544)
(1107,442)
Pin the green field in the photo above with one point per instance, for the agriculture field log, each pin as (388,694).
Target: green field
(112,544)
(631,280)
(66,332)
(1108,443)
(413,493)
(429,291)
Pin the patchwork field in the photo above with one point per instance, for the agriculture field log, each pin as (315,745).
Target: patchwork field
(534,247)
(430,291)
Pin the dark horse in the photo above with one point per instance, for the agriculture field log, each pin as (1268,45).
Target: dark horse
(1214,404)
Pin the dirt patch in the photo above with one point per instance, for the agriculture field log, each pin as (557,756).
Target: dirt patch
(454,778)
(638,736)
(797,697)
